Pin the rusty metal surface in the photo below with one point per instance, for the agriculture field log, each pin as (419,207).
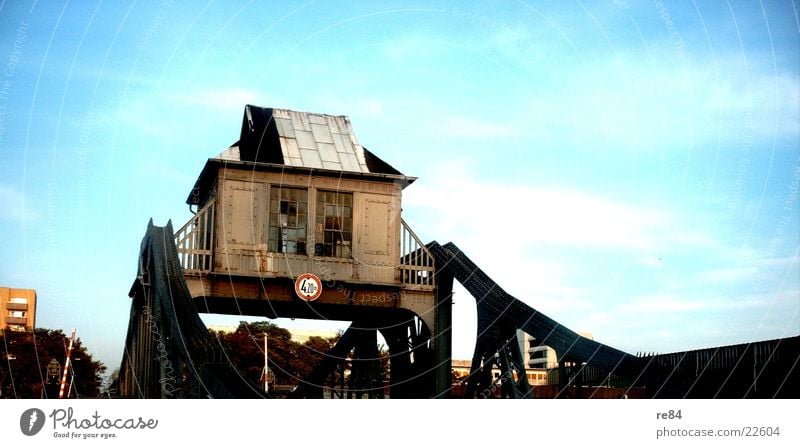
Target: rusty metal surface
(301,140)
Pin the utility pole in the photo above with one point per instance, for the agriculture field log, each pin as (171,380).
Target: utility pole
(266,364)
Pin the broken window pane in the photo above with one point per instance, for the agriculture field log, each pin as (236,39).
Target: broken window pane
(334,222)
(287,220)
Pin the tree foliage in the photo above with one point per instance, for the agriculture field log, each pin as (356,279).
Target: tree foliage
(24,357)
(289,360)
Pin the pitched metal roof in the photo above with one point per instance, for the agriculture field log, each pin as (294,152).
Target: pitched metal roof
(282,139)
(305,140)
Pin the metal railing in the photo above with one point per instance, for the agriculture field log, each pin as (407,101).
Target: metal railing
(416,262)
(195,241)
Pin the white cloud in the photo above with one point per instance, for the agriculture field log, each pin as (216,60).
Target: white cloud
(501,225)
(14,206)
(168,116)
(781,262)
(631,101)
(658,303)
(728,275)
(512,231)
(652,307)
(749,269)
(352,106)
(653,262)
(520,215)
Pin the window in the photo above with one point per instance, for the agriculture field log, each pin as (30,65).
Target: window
(288,216)
(334,224)
(20,314)
(18,300)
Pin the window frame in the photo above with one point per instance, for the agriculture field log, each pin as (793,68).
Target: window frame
(333,236)
(280,221)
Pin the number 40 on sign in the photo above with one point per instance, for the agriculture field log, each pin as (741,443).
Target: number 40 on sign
(308,287)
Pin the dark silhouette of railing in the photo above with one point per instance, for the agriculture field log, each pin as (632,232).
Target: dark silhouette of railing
(169,352)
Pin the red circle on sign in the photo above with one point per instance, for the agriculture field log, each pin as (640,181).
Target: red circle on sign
(308,287)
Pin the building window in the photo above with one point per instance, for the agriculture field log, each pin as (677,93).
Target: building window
(288,216)
(20,314)
(334,224)
(18,300)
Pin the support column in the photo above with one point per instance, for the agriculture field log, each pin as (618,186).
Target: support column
(578,375)
(563,382)
(522,387)
(443,334)
(366,374)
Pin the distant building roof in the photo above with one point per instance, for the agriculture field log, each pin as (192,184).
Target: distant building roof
(302,140)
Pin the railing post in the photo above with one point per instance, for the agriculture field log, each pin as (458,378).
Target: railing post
(416,262)
(195,241)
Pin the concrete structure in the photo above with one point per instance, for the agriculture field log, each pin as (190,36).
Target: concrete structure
(540,356)
(17,309)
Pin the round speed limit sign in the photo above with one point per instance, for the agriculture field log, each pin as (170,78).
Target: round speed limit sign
(308,287)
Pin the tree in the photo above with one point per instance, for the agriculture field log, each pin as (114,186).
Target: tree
(289,361)
(24,358)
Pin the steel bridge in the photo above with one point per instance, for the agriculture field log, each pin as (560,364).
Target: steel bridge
(297,195)
(170,353)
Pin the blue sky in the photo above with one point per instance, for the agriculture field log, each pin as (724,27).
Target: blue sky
(629,168)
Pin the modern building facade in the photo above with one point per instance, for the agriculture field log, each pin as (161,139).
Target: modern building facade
(536,356)
(17,309)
